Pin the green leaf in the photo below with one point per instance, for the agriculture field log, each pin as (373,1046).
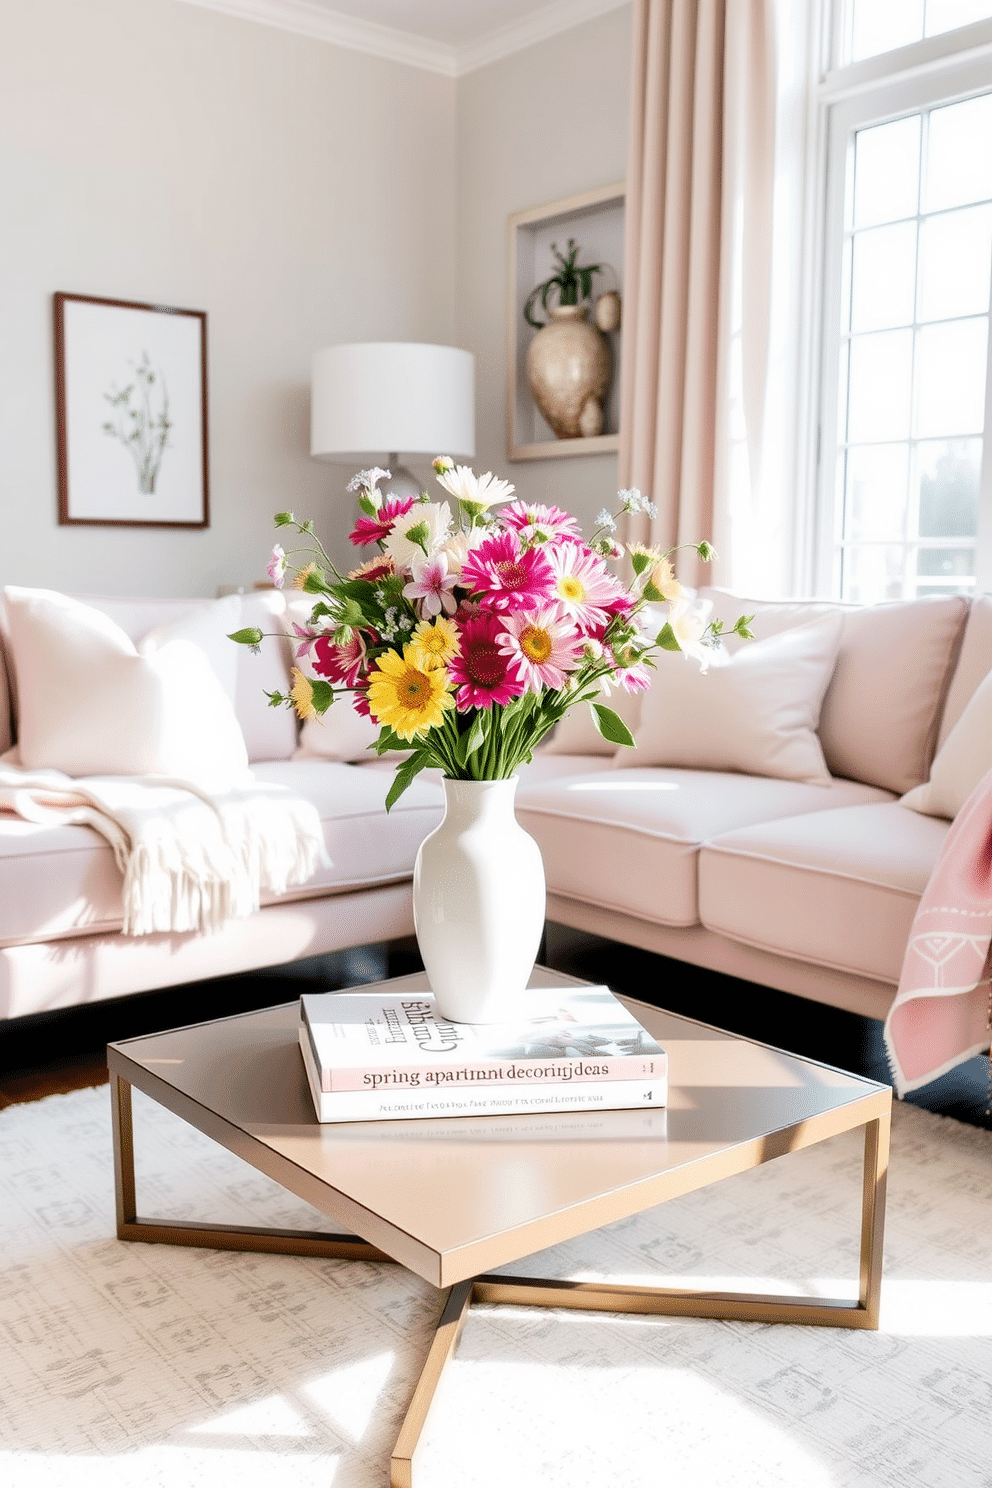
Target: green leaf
(404,777)
(666,639)
(389,739)
(250,636)
(639,561)
(612,726)
(323,695)
(473,740)
(284,519)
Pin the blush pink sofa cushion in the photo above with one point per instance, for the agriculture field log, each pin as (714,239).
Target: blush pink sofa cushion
(629,839)
(838,888)
(882,710)
(974,664)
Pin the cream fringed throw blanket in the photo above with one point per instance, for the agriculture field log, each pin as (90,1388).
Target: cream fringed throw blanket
(190,858)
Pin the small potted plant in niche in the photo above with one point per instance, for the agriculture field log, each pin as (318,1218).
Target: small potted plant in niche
(569,361)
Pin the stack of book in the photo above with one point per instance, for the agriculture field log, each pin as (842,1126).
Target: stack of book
(371,1057)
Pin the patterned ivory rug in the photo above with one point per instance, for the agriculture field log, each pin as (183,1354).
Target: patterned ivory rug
(146,1365)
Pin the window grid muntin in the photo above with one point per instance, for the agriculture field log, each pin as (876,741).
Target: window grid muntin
(911,540)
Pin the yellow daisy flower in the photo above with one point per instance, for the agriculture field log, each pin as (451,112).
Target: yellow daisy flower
(302,694)
(433,645)
(408,697)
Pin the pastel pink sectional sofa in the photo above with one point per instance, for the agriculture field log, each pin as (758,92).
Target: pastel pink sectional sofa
(806,887)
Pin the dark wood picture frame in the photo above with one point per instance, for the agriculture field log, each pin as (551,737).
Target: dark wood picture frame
(139,422)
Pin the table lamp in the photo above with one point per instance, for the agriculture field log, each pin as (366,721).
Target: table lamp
(376,400)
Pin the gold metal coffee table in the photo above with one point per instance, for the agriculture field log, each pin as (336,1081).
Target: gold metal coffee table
(451,1199)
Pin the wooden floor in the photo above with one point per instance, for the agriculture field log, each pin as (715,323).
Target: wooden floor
(62,1052)
(72,1073)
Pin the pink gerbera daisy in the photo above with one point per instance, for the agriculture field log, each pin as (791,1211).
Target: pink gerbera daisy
(544,644)
(583,585)
(480,671)
(377,528)
(341,664)
(531,519)
(504,575)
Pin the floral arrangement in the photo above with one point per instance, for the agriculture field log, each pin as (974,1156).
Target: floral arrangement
(470,632)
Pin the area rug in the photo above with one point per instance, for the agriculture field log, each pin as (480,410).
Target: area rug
(146,1365)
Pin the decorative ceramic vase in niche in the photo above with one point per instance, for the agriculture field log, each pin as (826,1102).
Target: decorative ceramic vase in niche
(569,366)
(479,904)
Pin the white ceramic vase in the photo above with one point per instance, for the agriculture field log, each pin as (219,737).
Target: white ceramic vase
(479,903)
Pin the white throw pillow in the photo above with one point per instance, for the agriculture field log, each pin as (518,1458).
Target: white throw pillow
(341,734)
(755,711)
(89,704)
(964,759)
(209,627)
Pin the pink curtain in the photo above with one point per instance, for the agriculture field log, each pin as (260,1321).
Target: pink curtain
(697,263)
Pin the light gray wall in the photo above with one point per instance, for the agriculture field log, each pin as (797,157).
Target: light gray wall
(297,192)
(545,123)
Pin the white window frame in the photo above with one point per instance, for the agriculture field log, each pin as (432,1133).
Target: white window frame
(942,69)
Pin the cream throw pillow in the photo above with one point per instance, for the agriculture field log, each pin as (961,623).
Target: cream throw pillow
(208,626)
(755,711)
(90,704)
(964,759)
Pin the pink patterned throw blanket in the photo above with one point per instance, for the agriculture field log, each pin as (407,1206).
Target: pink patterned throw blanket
(940,1016)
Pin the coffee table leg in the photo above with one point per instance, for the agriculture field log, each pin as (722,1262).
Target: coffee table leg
(761,1307)
(830,1312)
(210,1236)
(445,1341)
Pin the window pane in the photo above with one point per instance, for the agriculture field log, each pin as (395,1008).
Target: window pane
(884,289)
(872,574)
(949,471)
(881,25)
(948,15)
(959,154)
(880,387)
(955,263)
(952,566)
(877,485)
(950,374)
(887,172)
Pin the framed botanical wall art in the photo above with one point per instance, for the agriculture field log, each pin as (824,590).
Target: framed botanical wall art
(131,413)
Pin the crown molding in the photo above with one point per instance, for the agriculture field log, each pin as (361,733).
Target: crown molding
(306,18)
(540,25)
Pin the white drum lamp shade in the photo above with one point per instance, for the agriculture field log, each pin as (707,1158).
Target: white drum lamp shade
(391,398)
